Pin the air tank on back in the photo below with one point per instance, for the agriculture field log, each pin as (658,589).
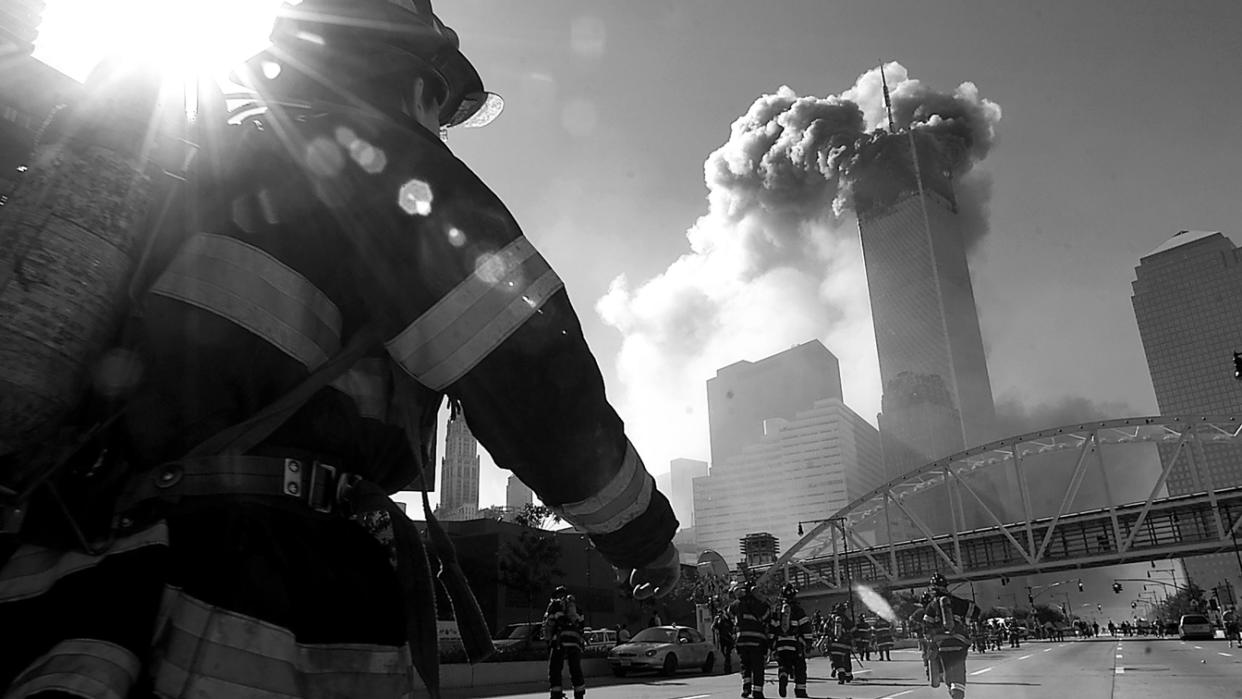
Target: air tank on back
(70,238)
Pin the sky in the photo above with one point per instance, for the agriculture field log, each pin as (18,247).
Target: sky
(1114,131)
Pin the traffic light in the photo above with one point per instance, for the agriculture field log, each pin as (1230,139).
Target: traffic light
(1031,600)
(1134,605)
(1004,580)
(1214,605)
(1080,585)
(1099,607)
(1237,365)
(1116,588)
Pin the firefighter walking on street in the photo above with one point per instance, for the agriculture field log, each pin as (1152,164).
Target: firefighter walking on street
(882,633)
(562,626)
(790,630)
(840,642)
(927,649)
(750,615)
(349,273)
(862,639)
(725,637)
(947,619)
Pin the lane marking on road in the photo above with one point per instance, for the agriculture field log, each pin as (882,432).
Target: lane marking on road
(1198,647)
(1121,671)
(696,696)
(859,672)
(980,672)
(1049,650)
(890,696)
(1024,657)
(1119,655)
(1227,655)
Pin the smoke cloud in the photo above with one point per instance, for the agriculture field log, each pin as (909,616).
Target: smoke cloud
(772,263)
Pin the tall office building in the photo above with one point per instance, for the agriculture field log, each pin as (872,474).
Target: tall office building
(517,494)
(932,366)
(804,468)
(744,394)
(459,470)
(937,397)
(1187,301)
(682,473)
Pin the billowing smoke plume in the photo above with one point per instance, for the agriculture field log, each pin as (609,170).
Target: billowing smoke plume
(771,264)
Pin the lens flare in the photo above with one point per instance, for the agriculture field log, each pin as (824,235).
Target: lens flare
(876,603)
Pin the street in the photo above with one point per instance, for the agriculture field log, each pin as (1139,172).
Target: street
(1099,668)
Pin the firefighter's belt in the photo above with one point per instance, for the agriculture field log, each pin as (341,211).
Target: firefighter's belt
(320,486)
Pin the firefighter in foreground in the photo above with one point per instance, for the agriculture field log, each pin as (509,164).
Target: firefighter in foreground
(562,626)
(790,630)
(947,620)
(339,235)
(750,616)
(840,642)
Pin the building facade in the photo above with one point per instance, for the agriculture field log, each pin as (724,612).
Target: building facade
(517,494)
(1187,296)
(459,471)
(744,394)
(803,468)
(30,93)
(937,396)
(682,473)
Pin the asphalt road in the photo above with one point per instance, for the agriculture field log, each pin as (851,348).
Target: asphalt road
(1101,668)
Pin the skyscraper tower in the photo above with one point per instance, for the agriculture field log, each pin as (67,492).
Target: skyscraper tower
(1187,293)
(744,394)
(459,470)
(937,397)
(517,494)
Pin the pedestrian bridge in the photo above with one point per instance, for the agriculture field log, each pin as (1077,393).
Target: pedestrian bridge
(839,551)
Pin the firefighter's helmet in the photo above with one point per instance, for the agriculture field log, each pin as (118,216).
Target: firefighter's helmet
(363,43)
(561,591)
(840,608)
(789,591)
(939,582)
(927,597)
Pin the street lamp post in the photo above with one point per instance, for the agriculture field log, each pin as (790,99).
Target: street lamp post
(845,556)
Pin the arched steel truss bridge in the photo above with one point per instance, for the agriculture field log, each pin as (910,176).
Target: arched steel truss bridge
(839,554)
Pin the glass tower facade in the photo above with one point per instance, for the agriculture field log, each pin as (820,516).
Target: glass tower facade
(1187,302)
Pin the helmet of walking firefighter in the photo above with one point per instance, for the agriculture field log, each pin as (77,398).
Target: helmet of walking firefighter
(370,52)
(939,583)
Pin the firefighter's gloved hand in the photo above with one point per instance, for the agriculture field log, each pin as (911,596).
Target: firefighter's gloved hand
(657,578)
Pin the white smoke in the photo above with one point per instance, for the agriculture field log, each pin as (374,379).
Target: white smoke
(775,261)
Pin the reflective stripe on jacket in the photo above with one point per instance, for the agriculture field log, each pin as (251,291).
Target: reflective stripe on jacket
(204,650)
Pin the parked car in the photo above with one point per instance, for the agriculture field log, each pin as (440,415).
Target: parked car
(1195,626)
(599,639)
(666,649)
(516,638)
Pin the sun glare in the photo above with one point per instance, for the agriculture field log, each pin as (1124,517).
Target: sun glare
(182,37)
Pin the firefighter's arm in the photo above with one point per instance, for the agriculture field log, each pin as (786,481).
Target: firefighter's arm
(482,316)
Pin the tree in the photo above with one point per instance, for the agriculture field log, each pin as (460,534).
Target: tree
(536,516)
(1045,613)
(1187,600)
(529,565)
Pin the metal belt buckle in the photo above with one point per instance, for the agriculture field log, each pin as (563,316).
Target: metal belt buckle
(321,495)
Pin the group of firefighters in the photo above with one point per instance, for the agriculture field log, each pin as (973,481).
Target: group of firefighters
(758,630)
